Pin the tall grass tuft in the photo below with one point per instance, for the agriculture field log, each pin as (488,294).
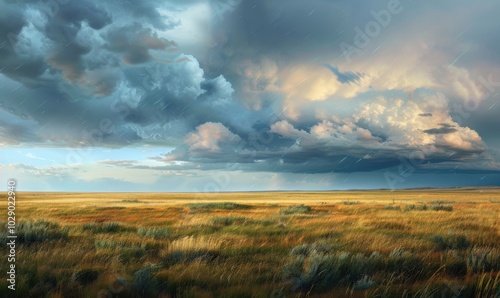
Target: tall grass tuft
(440,207)
(483,259)
(295,209)
(30,232)
(412,207)
(405,263)
(487,285)
(318,266)
(144,284)
(191,248)
(227,220)
(109,227)
(459,242)
(156,233)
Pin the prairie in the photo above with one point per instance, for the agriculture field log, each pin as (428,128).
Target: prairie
(411,243)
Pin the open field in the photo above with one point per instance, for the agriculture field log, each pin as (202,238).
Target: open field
(413,243)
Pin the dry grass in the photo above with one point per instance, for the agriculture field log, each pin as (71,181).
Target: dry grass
(246,244)
(191,243)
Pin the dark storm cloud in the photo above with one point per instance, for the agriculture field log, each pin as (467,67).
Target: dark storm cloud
(314,161)
(22,60)
(76,13)
(258,30)
(267,32)
(300,153)
(134,42)
(12,21)
(485,121)
(273,27)
(345,77)
(68,59)
(147,10)
(443,129)
(79,58)
(216,91)
(66,53)
(14,61)
(313,165)
(15,130)
(58,118)
(104,74)
(481,33)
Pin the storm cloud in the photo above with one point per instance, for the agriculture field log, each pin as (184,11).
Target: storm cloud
(346,77)
(254,86)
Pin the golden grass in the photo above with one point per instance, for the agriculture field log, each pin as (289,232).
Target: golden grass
(246,258)
(191,243)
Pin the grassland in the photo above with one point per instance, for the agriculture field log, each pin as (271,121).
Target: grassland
(420,243)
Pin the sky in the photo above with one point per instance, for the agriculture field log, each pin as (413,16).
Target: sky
(249,95)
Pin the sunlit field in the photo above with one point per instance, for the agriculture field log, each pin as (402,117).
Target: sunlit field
(421,243)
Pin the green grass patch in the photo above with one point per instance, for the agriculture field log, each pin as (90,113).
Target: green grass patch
(296,209)
(412,207)
(483,259)
(29,232)
(318,266)
(156,233)
(131,201)
(228,220)
(458,242)
(440,207)
(109,227)
(110,208)
(221,206)
(348,203)
(393,207)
